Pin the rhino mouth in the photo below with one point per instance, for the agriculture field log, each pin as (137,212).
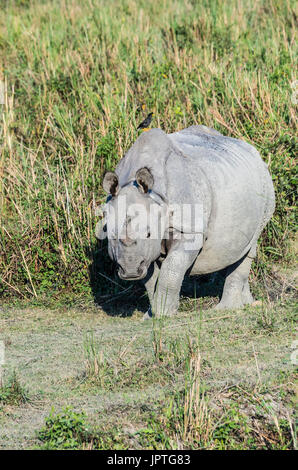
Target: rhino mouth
(126,275)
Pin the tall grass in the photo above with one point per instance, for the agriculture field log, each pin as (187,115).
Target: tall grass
(77,74)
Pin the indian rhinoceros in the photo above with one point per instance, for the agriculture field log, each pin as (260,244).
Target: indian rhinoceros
(223,178)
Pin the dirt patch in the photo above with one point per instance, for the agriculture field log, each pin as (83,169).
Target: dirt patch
(47,350)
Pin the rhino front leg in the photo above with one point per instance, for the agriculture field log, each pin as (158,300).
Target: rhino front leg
(150,284)
(166,296)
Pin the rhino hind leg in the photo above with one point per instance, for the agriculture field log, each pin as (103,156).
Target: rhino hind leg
(247,297)
(236,291)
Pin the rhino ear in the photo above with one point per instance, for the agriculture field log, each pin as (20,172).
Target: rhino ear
(110,183)
(101,230)
(144,179)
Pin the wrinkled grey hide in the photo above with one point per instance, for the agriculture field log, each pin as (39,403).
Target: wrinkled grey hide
(197,165)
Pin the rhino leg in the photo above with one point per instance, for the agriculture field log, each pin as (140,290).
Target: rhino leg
(166,296)
(236,291)
(247,297)
(150,284)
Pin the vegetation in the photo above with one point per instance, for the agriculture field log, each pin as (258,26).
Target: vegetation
(13,393)
(69,430)
(190,416)
(80,76)
(201,380)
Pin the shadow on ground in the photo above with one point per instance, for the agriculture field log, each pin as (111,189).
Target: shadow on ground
(122,298)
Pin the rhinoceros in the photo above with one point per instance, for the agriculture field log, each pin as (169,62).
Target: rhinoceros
(223,178)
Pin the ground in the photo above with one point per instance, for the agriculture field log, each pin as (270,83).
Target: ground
(122,372)
(71,98)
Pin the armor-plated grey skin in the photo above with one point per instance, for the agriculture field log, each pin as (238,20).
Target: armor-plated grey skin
(197,165)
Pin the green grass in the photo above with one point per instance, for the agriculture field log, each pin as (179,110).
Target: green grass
(79,76)
(206,380)
(76,75)
(193,414)
(13,393)
(69,430)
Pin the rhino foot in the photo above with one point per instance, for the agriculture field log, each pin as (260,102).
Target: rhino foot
(228,305)
(238,301)
(147,315)
(247,298)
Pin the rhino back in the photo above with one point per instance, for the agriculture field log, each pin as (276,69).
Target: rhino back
(242,196)
(227,176)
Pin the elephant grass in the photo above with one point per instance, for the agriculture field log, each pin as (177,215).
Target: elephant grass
(80,76)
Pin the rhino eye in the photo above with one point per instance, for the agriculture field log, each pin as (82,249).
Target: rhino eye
(148,235)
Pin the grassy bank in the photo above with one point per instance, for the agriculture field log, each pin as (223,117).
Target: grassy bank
(80,75)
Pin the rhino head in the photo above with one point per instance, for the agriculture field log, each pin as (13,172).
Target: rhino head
(134,222)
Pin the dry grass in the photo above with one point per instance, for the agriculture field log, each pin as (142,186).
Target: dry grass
(79,76)
(221,383)
(76,76)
